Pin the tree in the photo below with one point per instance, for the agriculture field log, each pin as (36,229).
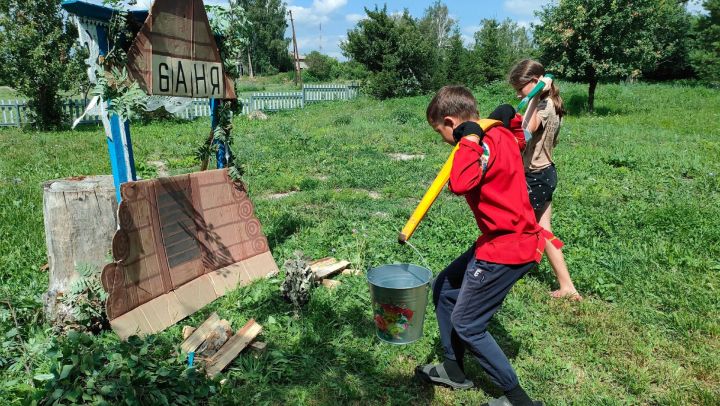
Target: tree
(38,56)
(436,25)
(498,45)
(321,67)
(591,40)
(234,30)
(393,49)
(268,45)
(705,54)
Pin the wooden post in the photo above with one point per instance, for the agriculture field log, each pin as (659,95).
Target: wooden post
(298,76)
(80,221)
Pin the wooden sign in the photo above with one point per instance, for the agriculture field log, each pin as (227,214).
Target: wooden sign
(175,53)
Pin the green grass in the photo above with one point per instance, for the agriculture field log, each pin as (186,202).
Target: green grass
(637,205)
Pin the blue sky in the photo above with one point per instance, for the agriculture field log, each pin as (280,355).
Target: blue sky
(338,16)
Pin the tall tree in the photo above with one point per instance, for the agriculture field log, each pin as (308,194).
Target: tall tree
(498,45)
(268,45)
(436,24)
(591,40)
(37,56)
(705,54)
(393,49)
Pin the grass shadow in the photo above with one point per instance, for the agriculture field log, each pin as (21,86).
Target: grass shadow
(577,105)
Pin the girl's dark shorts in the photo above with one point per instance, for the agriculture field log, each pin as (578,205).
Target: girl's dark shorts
(541,186)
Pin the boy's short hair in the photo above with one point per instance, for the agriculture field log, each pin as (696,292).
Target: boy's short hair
(454,101)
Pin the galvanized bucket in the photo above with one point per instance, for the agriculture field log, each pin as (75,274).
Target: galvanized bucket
(399,294)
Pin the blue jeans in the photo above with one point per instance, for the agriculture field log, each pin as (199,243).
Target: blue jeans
(466,295)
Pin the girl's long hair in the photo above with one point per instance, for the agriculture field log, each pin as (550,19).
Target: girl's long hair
(527,70)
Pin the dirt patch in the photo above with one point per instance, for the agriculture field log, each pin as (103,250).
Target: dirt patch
(276,196)
(373,195)
(162,170)
(406,157)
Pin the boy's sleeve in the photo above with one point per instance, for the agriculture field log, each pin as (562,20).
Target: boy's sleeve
(517,131)
(469,163)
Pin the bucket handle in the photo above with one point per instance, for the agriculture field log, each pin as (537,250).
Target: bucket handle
(418,254)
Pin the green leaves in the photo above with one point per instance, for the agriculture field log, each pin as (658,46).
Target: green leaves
(137,372)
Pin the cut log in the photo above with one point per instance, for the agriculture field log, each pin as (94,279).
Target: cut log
(232,348)
(200,334)
(219,334)
(80,220)
(331,284)
(187,331)
(329,270)
(258,346)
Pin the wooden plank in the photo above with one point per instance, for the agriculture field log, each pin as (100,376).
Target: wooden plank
(330,270)
(232,348)
(199,335)
(352,272)
(331,283)
(321,263)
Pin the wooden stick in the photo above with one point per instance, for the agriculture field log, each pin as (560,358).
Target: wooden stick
(200,334)
(232,348)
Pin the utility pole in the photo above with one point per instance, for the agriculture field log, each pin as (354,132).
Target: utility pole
(298,77)
(320,37)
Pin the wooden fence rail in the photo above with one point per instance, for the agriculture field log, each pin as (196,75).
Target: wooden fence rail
(15,113)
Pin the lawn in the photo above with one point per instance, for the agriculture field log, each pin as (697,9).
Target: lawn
(638,206)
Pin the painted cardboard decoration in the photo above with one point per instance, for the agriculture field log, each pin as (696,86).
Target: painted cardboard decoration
(175,53)
(183,242)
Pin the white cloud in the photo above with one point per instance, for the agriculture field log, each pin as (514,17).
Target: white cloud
(524,7)
(354,18)
(318,13)
(327,6)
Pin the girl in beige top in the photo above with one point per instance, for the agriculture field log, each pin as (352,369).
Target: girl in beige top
(540,173)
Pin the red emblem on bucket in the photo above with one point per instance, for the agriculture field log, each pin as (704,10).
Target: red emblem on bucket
(392,320)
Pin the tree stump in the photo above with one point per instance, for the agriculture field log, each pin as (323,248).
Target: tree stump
(80,221)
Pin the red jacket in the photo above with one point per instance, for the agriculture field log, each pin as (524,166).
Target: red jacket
(492,178)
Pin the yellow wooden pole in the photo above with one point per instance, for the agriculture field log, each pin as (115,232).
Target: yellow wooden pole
(435,188)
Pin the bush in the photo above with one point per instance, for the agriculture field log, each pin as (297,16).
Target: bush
(137,371)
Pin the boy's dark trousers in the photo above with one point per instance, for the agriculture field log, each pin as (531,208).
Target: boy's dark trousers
(467,294)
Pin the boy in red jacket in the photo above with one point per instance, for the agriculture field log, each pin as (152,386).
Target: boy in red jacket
(488,171)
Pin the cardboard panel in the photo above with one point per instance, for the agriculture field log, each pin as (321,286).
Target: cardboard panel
(173,256)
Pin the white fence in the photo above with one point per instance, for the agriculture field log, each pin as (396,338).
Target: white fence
(14,113)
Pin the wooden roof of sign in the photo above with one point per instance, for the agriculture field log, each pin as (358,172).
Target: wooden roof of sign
(175,53)
(183,242)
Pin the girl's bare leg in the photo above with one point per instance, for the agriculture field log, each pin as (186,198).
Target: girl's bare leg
(557,259)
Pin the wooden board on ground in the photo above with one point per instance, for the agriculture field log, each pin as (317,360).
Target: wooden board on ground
(329,270)
(321,263)
(258,346)
(199,335)
(331,284)
(232,348)
(352,272)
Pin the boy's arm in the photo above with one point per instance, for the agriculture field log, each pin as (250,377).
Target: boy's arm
(518,132)
(467,168)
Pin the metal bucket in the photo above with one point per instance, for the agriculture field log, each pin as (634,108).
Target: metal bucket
(399,294)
